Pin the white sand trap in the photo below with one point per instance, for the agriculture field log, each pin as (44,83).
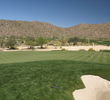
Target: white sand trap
(96,88)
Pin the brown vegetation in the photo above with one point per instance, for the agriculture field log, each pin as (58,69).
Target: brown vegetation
(36,29)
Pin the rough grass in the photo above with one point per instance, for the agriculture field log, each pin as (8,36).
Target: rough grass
(32,80)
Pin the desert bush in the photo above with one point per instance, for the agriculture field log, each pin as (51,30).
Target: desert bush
(91,49)
(31,47)
(63,49)
(82,50)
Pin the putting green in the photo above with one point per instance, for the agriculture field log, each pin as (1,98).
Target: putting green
(26,56)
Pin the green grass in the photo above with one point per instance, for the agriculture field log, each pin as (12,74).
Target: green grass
(26,56)
(101,42)
(29,75)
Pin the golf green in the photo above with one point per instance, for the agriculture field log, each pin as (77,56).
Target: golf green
(29,75)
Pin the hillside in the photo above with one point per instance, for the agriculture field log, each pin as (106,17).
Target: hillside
(91,30)
(35,28)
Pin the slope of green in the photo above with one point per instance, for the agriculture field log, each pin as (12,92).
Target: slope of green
(32,80)
(26,56)
(29,75)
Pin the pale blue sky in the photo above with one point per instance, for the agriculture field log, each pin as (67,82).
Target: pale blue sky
(62,13)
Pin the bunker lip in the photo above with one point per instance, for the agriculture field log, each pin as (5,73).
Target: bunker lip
(96,88)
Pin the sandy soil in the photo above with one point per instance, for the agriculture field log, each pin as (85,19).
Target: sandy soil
(103,96)
(70,48)
(96,48)
(96,88)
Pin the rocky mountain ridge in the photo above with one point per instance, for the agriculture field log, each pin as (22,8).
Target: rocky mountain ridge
(35,29)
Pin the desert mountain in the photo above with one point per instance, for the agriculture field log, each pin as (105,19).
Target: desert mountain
(91,30)
(35,28)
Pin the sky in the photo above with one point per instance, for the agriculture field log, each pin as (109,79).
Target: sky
(61,13)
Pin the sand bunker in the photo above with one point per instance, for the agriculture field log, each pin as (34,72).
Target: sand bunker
(96,88)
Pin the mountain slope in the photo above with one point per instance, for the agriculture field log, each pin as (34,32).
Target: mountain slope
(35,28)
(92,30)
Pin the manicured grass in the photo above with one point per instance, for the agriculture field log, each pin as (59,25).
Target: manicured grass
(26,56)
(29,75)
(32,80)
(101,42)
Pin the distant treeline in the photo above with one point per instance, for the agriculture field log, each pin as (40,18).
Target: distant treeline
(12,42)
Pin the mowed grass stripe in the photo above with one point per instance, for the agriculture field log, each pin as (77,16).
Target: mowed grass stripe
(106,57)
(28,56)
(84,56)
(102,57)
(66,55)
(21,56)
(98,58)
(25,56)
(4,57)
(91,57)
(77,55)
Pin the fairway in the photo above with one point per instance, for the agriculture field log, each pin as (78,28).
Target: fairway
(29,75)
(26,56)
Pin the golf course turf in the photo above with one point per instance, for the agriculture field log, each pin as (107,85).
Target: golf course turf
(29,75)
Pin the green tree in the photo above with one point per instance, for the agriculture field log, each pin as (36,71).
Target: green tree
(41,41)
(63,41)
(2,42)
(84,41)
(11,42)
(73,40)
(30,43)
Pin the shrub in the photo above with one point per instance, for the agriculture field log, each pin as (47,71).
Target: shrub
(31,47)
(13,48)
(82,50)
(63,49)
(91,49)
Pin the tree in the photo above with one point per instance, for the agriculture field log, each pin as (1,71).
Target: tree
(1,42)
(84,41)
(73,40)
(30,43)
(11,42)
(41,41)
(63,41)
